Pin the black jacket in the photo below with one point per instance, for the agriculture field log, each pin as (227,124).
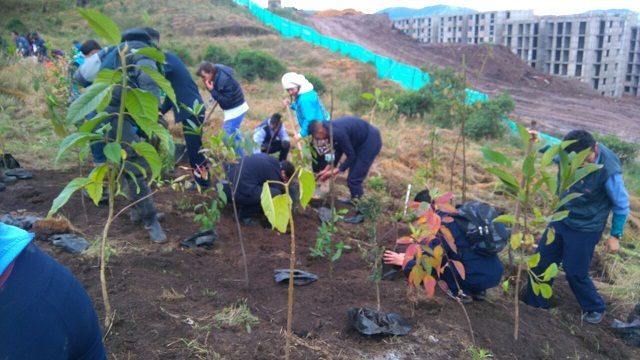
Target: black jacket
(226,89)
(251,173)
(183,85)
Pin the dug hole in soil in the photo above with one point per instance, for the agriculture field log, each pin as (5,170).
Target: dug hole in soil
(165,296)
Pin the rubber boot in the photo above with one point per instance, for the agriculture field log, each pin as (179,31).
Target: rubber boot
(156,234)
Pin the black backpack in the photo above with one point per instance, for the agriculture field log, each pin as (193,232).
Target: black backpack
(475,219)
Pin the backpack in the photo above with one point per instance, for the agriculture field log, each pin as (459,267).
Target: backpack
(475,219)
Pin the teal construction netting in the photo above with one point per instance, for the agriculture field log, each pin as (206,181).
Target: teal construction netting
(408,76)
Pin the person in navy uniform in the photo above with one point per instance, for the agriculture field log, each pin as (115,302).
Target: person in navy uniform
(271,137)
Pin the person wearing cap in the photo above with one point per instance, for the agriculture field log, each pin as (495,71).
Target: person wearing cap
(45,313)
(360,142)
(271,137)
(576,236)
(221,82)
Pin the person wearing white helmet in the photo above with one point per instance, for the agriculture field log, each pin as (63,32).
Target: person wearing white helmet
(305,102)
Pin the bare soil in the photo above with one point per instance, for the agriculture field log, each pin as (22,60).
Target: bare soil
(165,296)
(557,104)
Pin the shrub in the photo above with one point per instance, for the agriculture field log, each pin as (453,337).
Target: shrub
(626,151)
(216,55)
(411,103)
(17,25)
(318,84)
(183,53)
(486,122)
(250,64)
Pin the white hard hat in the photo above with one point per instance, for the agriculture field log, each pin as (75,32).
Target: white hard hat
(291,80)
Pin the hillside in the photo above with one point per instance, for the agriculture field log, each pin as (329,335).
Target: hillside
(557,104)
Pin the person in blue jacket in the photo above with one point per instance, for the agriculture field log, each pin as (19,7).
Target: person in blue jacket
(224,88)
(360,142)
(44,311)
(22,44)
(481,272)
(271,137)
(305,102)
(576,236)
(186,90)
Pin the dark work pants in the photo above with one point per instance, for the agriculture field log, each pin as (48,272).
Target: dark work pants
(365,155)
(193,142)
(248,204)
(575,250)
(276,146)
(139,188)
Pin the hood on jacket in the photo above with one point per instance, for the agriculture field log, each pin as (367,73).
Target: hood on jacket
(291,80)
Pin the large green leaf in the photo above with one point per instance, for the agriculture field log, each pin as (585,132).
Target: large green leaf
(524,134)
(151,127)
(113,152)
(550,272)
(87,102)
(108,76)
(153,53)
(549,155)
(164,84)
(528,168)
(546,291)
(150,154)
(91,124)
(102,25)
(307,186)
(73,186)
(94,188)
(142,104)
(277,209)
(75,139)
(507,219)
(267,204)
(497,157)
(506,177)
(534,260)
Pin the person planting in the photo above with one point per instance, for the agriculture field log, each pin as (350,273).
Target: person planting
(576,236)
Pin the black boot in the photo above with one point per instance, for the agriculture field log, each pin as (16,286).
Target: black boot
(357,219)
(156,234)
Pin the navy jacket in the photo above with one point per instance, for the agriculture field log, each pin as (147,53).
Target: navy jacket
(481,272)
(183,85)
(226,89)
(351,138)
(23,45)
(251,173)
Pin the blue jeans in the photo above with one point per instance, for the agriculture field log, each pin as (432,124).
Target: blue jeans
(231,128)
(575,250)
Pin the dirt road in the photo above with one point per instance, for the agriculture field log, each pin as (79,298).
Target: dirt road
(557,104)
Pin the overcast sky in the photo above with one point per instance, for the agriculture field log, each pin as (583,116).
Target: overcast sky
(540,7)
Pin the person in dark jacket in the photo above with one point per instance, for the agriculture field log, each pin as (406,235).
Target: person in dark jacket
(176,72)
(39,47)
(45,313)
(481,272)
(360,142)
(137,188)
(577,235)
(246,179)
(224,88)
(271,137)
(22,44)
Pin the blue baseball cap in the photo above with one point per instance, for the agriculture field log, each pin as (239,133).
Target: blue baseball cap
(12,241)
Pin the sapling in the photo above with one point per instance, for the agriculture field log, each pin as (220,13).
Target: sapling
(536,185)
(370,207)
(141,106)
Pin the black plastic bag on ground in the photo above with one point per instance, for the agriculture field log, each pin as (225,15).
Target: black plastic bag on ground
(300,277)
(8,162)
(373,322)
(629,331)
(23,222)
(69,242)
(204,238)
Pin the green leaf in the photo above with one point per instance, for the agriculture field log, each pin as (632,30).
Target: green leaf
(267,204)
(75,139)
(535,287)
(153,53)
(497,157)
(528,168)
(549,155)
(73,186)
(142,104)
(505,285)
(95,189)
(91,124)
(150,154)
(108,76)
(307,186)
(87,102)
(145,18)
(516,240)
(546,291)
(551,235)
(506,178)
(534,260)
(578,160)
(417,273)
(506,219)
(550,272)
(524,134)
(113,152)
(161,81)
(367,96)
(102,25)
(559,215)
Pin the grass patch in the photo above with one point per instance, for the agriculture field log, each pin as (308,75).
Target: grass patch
(236,316)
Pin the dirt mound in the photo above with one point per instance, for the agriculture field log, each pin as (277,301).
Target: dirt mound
(326,13)
(557,104)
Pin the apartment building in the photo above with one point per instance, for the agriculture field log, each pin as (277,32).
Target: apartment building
(600,49)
